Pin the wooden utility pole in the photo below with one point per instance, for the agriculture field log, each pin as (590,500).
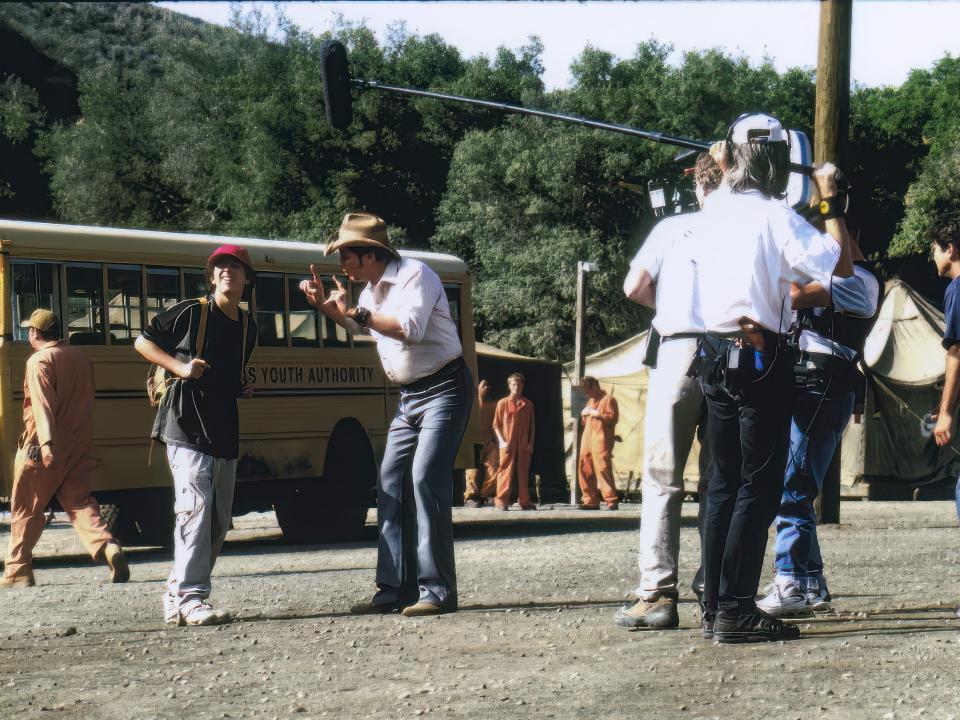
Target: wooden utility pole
(579,367)
(831,127)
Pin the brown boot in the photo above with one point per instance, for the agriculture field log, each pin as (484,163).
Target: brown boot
(18,582)
(658,613)
(422,609)
(117,560)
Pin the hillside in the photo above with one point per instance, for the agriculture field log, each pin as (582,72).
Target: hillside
(82,34)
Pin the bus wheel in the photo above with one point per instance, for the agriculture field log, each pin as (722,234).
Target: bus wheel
(146,519)
(333,508)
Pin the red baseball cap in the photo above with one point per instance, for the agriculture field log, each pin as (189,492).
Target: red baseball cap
(241,255)
(238,253)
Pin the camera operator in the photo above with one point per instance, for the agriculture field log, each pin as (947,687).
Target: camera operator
(752,248)
(832,325)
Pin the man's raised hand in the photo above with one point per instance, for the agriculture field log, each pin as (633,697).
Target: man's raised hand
(313,289)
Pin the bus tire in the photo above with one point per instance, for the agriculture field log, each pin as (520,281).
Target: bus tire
(146,519)
(332,508)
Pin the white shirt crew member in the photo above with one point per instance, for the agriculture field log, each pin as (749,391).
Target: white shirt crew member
(753,249)
(665,256)
(412,293)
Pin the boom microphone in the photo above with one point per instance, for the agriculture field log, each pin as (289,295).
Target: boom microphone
(336,94)
(335,74)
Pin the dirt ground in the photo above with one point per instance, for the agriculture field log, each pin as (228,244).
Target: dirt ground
(534,637)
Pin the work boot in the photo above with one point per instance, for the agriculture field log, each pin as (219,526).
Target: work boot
(660,612)
(785,598)
(18,582)
(613,506)
(472,503)
(423,609)
(117,560)
(750,627)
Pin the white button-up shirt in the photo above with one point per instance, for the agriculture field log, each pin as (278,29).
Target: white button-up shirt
(747,251)
(665,255)
(412,294)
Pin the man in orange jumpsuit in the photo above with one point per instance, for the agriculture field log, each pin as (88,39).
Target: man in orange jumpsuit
(482,481)
(599,420)
(514,425)
(54,455)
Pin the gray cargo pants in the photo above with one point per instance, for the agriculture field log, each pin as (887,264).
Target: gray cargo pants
(203,498)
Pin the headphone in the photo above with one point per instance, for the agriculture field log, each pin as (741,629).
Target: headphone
(728,141)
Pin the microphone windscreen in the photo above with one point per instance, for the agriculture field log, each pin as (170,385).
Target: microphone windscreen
(335,74)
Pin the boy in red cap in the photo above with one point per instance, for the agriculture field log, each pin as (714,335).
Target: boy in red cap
(197,420)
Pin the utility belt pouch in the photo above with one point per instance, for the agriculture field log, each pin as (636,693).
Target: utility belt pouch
(653,348)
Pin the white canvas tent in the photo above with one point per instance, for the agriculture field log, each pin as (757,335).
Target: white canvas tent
(904,359)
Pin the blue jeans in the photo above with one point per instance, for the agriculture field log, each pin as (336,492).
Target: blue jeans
(811,452)
(422,444)
(958,498)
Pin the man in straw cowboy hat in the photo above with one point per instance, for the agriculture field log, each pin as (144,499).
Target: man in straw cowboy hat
(405,308)
(54,454)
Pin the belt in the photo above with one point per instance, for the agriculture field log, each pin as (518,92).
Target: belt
(432,379)
(682,336)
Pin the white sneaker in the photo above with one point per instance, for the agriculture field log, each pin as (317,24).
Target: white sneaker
(817,594)
(785,599)
(199,612)
(171,613)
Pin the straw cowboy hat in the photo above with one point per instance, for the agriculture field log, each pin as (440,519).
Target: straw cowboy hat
(361,230)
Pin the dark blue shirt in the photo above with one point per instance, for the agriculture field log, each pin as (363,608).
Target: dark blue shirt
(951,314)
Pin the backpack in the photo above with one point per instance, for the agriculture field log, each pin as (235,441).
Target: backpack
(159,379)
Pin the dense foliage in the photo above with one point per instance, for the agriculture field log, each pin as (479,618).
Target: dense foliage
(185,126)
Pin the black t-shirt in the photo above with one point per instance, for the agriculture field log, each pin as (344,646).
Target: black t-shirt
(202,414)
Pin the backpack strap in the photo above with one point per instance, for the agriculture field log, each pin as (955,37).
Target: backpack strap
(202,330)
(243,345)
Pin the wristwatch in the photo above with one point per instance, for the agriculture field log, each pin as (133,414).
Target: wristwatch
(361,316)
(832,207)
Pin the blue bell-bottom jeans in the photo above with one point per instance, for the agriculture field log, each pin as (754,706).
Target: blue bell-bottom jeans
(815,431)
(422,444)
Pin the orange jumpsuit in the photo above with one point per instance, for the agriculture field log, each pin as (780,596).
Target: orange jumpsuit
(482,481)
(596,449)
(515,422)
(58,393)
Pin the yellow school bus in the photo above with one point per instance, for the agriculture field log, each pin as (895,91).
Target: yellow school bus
(313,433)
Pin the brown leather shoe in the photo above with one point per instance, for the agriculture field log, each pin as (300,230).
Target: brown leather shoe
(117,560)
(18,583)
(422,609)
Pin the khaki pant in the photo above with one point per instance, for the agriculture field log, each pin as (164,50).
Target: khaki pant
(673,411)
(595,469)
(33,488)
(482,481)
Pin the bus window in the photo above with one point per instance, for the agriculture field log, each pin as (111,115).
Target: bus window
(123,303)
(333,335)
(270,310)
(195,283)
(35,285)
(84,324)
(163,290)
(453,299)
(303,316)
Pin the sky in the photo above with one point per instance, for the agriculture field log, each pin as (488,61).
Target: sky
(890,37)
